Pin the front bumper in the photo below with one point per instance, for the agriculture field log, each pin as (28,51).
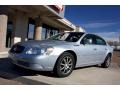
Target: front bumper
(38,63)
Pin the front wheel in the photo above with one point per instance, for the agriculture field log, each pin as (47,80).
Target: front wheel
(107,62)
(64,65)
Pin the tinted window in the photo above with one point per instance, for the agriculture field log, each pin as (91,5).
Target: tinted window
(93,39)
(73,37)
(88,39)
(100,41)
(70,37)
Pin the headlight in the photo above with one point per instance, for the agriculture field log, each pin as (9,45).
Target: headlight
(33,51)
(38,51)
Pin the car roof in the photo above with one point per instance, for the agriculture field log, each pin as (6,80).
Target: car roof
(75,32)
(87,33)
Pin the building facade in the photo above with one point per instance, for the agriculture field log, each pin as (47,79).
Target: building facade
(79,29)
(20,23)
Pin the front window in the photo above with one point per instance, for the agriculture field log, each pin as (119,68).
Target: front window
(70,37)
(88,39)
(100,41)
(93,39)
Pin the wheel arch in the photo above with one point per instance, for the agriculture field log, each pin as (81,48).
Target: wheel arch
(109,53)
(69,51)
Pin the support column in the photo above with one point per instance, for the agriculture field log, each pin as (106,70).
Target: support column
(38,29)
(3,27)
(61,31)
(20,27)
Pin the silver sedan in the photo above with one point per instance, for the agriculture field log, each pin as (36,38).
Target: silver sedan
(62,53)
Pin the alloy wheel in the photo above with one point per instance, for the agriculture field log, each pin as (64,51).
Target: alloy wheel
(66,65)
(108,61)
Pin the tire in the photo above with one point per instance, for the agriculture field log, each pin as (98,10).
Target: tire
(107,62)
(64,65)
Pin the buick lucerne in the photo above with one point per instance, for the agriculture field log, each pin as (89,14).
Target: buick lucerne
(62,53)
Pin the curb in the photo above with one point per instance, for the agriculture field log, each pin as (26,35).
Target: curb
(3,53)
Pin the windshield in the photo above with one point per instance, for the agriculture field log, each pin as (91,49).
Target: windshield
(70,37)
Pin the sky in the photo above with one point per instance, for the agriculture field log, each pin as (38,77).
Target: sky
(101,20)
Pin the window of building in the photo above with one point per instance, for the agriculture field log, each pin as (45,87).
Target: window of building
(48,31)
(31,27)
(9,34)
(43,36)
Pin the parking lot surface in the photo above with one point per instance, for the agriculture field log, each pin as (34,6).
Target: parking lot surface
(93,75)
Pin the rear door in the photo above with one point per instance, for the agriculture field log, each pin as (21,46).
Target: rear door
(101,48)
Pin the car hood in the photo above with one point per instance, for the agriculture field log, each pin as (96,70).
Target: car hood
(45,43)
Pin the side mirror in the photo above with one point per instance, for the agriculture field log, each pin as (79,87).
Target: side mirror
(82,42)
(86,41)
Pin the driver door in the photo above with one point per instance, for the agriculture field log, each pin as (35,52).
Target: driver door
(87,51)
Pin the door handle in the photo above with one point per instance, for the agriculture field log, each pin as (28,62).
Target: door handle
(95,48)
(106,49)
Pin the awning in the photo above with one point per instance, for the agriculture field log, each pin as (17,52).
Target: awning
(59,23)
(48,15)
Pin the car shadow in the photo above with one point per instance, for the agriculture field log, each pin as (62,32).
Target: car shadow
(86,67)
(10,71)
(13,72)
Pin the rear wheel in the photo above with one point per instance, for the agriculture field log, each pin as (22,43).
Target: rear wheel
(64,65)
(107,62)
